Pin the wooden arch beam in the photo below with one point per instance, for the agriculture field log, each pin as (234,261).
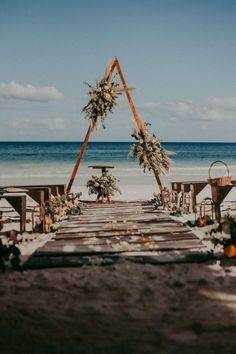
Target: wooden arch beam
(138,121)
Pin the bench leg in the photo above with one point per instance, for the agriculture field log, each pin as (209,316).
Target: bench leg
(19,204)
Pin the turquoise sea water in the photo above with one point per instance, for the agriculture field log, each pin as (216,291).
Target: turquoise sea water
(117,152)
(53,161)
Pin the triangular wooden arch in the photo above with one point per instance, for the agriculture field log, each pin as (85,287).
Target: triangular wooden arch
(138,121)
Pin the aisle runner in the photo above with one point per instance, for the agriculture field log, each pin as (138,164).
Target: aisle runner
(105,233)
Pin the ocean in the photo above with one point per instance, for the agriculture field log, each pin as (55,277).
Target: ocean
(49,162)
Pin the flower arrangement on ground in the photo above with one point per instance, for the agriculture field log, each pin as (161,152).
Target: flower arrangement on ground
(149,151)
(61,207)
(57,209)
(103,186)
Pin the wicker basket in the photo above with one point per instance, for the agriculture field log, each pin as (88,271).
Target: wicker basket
(220,181)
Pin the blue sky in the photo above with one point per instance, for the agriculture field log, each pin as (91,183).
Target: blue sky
(180,55)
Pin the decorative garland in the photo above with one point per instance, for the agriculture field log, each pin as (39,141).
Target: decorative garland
(103,186)
(103,99)
(149,151)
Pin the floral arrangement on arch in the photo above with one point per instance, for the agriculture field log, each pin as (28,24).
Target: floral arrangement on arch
(149,151)
(103,186)
(103,100)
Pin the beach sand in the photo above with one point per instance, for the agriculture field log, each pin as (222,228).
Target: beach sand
(121,308)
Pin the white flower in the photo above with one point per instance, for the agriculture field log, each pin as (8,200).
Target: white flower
(107,96)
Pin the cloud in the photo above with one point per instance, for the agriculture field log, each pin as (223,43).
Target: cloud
(210,109)
(13,90)
(227,103)
(49,124)
(54,123)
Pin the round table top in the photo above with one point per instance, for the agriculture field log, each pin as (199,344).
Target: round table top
(101,166)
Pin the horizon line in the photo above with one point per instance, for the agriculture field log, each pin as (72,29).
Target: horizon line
(116,141)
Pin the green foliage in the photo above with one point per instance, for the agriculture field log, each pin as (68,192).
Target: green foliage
(156,201)
(190,223)
(227,226)
(103,99)
(176,211)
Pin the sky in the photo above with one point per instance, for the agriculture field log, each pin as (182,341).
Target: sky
(180,55)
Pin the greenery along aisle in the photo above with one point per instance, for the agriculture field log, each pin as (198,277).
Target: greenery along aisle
(149,151)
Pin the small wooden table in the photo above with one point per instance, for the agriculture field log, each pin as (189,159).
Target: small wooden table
(103,168)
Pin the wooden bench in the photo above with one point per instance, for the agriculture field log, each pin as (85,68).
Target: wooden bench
(218,193)
(18,202)
(185,187)
(39,193)
(176,186)
(55,188)
(195,188)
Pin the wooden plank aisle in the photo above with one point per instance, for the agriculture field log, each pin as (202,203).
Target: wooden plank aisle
(116,231)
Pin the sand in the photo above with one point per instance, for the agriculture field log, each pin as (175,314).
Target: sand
(122,308)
